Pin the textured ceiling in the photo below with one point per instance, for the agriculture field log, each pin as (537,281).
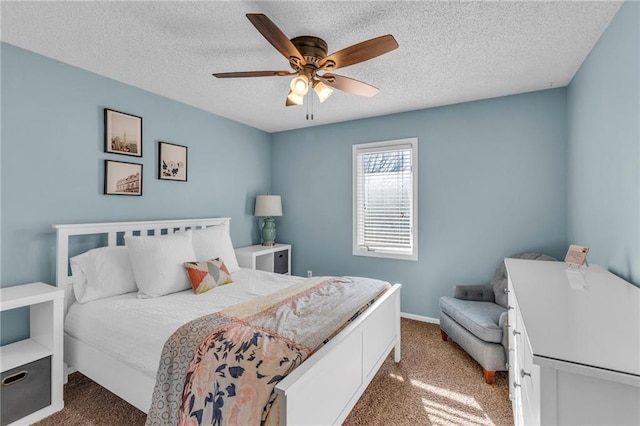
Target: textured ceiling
(449,52)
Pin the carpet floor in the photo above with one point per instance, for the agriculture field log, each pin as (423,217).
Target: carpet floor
(436,383)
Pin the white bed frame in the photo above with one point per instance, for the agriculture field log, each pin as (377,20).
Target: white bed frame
(322,390)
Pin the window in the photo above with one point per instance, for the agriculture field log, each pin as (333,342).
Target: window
(385,188)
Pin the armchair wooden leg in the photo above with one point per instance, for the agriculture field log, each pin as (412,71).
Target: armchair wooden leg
(489,376)
(444,335)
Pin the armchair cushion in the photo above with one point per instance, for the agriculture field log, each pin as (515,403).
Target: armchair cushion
(478,293)
(480,318)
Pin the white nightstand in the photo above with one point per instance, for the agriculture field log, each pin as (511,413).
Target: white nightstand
(24,365)
(276,258)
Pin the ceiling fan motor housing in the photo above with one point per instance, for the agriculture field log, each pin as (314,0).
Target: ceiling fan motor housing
(313,49)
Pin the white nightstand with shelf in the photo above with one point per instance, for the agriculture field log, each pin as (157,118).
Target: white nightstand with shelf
(276,258)
(31,355)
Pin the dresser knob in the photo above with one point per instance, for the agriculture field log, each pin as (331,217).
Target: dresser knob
(506,290)
(524,373)
(516,384)
(516,332)
(510,307)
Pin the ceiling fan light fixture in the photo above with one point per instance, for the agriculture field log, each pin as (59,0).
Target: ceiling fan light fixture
(300,85)
(294,98)
(322,90)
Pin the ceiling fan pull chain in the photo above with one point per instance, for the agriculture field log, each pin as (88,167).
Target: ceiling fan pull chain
(311,102)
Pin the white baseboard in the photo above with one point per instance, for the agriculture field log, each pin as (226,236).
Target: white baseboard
(420,318)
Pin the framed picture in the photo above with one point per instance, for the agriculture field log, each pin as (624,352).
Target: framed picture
(122,178)
(122,133)
(172,161)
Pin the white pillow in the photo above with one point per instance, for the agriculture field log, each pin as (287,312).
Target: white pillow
(158,262)
(213,242)
(102,272)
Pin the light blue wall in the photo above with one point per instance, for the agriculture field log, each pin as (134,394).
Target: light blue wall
(494,175)
(604,148)
(52,164)
(492,182)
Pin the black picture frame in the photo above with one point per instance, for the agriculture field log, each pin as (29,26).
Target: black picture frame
(122,178)
(172,161)
(122,133)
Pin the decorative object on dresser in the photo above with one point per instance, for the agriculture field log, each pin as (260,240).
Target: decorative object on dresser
(576,255)
(575,349)
(476,319)
(268,207)
(172,161)
(32,369)
(122,178)
(276,258)
(122,133)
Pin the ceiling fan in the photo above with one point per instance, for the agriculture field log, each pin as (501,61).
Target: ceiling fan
(307,56)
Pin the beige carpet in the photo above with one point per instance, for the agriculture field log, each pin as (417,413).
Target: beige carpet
(436,383)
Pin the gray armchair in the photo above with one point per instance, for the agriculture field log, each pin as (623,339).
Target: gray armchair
(476,319)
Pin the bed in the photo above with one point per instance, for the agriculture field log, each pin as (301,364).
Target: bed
(97,334)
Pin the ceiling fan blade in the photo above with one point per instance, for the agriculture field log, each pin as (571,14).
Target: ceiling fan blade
(349,85)
(252,74)
(359,52)
(277,38)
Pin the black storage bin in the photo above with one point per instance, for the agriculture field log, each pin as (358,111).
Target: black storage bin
(25,390)
(281,262)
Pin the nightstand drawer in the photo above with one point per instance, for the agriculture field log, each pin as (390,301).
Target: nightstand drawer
(25,390)
(281,262)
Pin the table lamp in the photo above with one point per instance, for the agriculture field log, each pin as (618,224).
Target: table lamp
(268,206)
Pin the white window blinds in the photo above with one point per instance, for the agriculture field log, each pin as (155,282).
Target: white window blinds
(385,199)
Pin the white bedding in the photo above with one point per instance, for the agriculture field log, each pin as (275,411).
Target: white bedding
(134,330)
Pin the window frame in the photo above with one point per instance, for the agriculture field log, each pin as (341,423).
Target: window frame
(377,147)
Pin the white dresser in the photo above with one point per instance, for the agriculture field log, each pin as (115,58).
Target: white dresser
(574,342)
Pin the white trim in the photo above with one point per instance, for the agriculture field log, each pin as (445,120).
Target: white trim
(408,143)
(420,318)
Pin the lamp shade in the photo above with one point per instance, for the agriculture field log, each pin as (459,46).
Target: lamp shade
(268,206)
(322,90)
(300,85)
(293,99)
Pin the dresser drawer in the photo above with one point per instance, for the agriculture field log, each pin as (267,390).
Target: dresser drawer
(512,307)
(529,379)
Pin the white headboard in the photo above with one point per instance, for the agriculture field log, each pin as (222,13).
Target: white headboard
(112,230)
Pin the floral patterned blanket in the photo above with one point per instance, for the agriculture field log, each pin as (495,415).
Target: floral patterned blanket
(222,368)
